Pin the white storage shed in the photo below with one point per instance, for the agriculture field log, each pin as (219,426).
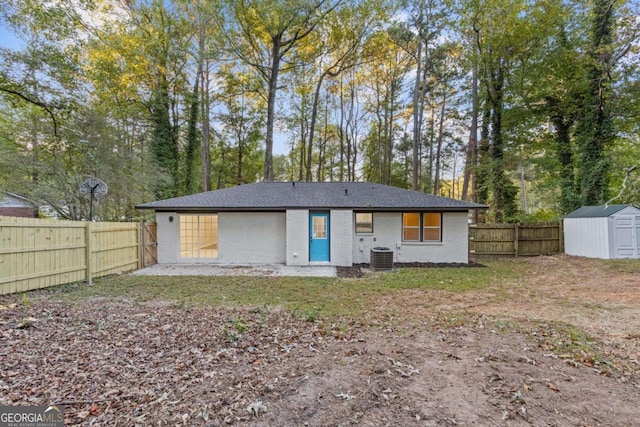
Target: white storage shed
(606,232)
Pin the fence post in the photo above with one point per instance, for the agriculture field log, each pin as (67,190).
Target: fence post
(141,245)
(89,255)
(515,240)
(561,236)
(472,228)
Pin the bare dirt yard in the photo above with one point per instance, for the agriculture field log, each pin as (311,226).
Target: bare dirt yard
(547,341)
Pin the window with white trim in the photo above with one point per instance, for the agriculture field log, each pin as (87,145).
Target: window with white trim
(422,227)
(364,222)
(411,227)
(198,236)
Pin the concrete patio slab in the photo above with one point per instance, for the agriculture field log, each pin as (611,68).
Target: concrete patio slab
(237,270)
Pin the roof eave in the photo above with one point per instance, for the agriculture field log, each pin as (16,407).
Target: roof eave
(284,208)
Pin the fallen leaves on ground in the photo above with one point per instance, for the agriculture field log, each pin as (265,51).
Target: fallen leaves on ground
(416,356)
(130,364)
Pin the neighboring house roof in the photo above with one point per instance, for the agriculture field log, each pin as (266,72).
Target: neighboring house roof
(597,211)
(311,195)
(14,200)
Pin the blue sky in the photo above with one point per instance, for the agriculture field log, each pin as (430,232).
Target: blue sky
(7,38)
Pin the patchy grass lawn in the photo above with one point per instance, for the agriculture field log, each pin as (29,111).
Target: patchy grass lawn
(532,341)
(325,297)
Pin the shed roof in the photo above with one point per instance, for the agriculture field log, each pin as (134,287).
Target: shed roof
(310,195)
(597,211)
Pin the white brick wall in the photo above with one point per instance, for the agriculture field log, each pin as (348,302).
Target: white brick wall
(251,238)
(297,237)
(168,237)
(387,232)
(341,223)
(259,237)
(243,238)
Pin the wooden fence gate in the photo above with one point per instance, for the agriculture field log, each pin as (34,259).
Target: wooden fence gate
(149,243)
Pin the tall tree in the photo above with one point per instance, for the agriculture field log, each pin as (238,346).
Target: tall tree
(342,39)
(242,124)
(503,50)
(168,33)
(446,73)
(384,80)
(263,33)
(140,87)
(560,100)
(427,19)
(471,159)
(350,118)
(204,50)
(595,132)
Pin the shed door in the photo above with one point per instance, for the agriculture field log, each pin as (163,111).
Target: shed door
(319,237)
(627,231)
(637,233)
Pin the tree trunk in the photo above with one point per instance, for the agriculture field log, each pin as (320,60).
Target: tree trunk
(239,177)
(381,149)
(312,125)
(389,143)
(472,146)
(436,184)
(341,134)
(271,105)
(322,157)
(564,153)
(482,173)
(432,124)
(352,134)
(303,167)
(205,142)
(192,135)
(163,146)
(241,143)
(416,122)
(501,187)
(595,131)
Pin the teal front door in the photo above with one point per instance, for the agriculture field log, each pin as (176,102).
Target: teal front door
(319,237)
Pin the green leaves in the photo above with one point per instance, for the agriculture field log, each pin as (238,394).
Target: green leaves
(339,89)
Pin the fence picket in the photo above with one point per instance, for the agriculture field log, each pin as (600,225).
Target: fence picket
(38,253)
(515,239)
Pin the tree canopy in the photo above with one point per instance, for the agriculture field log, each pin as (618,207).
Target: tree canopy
(532,107)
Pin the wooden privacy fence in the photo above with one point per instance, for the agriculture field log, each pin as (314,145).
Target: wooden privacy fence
(516,239)
(149,243)
(37,253)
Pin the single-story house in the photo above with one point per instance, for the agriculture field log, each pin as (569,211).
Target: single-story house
(12,204)
(606,232)
(307,223)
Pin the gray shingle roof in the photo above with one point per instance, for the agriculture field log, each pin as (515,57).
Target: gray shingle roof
(596,211)
(310,195)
